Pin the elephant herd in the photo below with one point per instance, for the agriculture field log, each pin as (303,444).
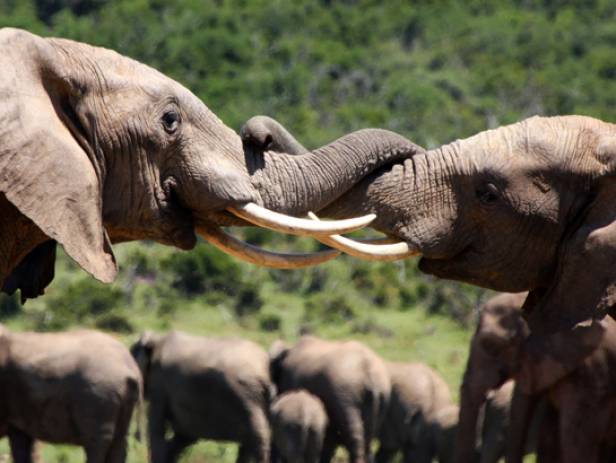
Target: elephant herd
(300,402)
(97,149)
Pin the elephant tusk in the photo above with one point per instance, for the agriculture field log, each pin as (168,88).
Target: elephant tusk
(265,218)
(367,249)
(249,253)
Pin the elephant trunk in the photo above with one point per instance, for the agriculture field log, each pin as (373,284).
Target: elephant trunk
(427,178)
(297,184)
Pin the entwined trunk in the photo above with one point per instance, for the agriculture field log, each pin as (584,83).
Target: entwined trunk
(309,182)
(413,200)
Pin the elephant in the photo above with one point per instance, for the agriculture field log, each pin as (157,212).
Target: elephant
(205,388)
(578,387)
(523,207)
(349,378)
(421,416)
(299,422)
(77,387)
(96,148)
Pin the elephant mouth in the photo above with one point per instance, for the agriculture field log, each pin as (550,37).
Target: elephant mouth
(456,266)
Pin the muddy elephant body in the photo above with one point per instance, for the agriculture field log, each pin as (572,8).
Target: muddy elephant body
(75,388)
(299,423)
(419,416)
(205,388)
(352,382)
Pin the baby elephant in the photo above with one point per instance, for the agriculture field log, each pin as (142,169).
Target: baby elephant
(78,388)
(205,388)
(421,417)
(350,380)
(299,423)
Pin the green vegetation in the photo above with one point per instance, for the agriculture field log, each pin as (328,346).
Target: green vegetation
(431,70)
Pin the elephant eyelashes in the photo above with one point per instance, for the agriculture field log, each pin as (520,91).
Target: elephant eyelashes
(171,121)
(487,194)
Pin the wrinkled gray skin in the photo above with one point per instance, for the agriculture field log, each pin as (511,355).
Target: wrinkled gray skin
(496,427)
(77,388)
(527,206)
(351,381)
(299,422)
(205,388)
(500,351)
(420,418)
(96,148)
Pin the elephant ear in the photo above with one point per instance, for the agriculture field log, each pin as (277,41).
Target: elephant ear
(583,285)
(44,171)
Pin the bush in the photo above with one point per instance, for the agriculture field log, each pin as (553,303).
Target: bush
(201,270)
(9,306)
(80,302)
(270,321)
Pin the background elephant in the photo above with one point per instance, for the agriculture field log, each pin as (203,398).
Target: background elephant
(577,388)
(96,148)
(205,388)
(502,209)
(416,420)
(496,425)
(77,388)
(299,422)
(350,379)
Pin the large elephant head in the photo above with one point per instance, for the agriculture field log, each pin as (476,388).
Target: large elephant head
(97,148)
(502,350)
(523,207)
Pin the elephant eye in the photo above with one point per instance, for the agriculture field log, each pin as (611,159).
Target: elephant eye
(171,121)
(487,194)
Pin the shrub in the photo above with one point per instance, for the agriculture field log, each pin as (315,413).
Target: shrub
(9,306)
(81,301)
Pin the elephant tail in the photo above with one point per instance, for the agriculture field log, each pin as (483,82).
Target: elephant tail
(269,393)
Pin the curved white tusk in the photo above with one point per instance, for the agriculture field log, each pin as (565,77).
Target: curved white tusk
(249,253)
(295,226)
(368,250)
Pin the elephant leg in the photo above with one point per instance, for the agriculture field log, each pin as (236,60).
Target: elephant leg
(548,441)
(329,446)
(422,453)
(22,446)
(96,452)
(157,419)
(314,447)
(118,447)
(579,439)
(176,446)
(352,432)
(275,456)
(245,454)
(260,441)
(385,454)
